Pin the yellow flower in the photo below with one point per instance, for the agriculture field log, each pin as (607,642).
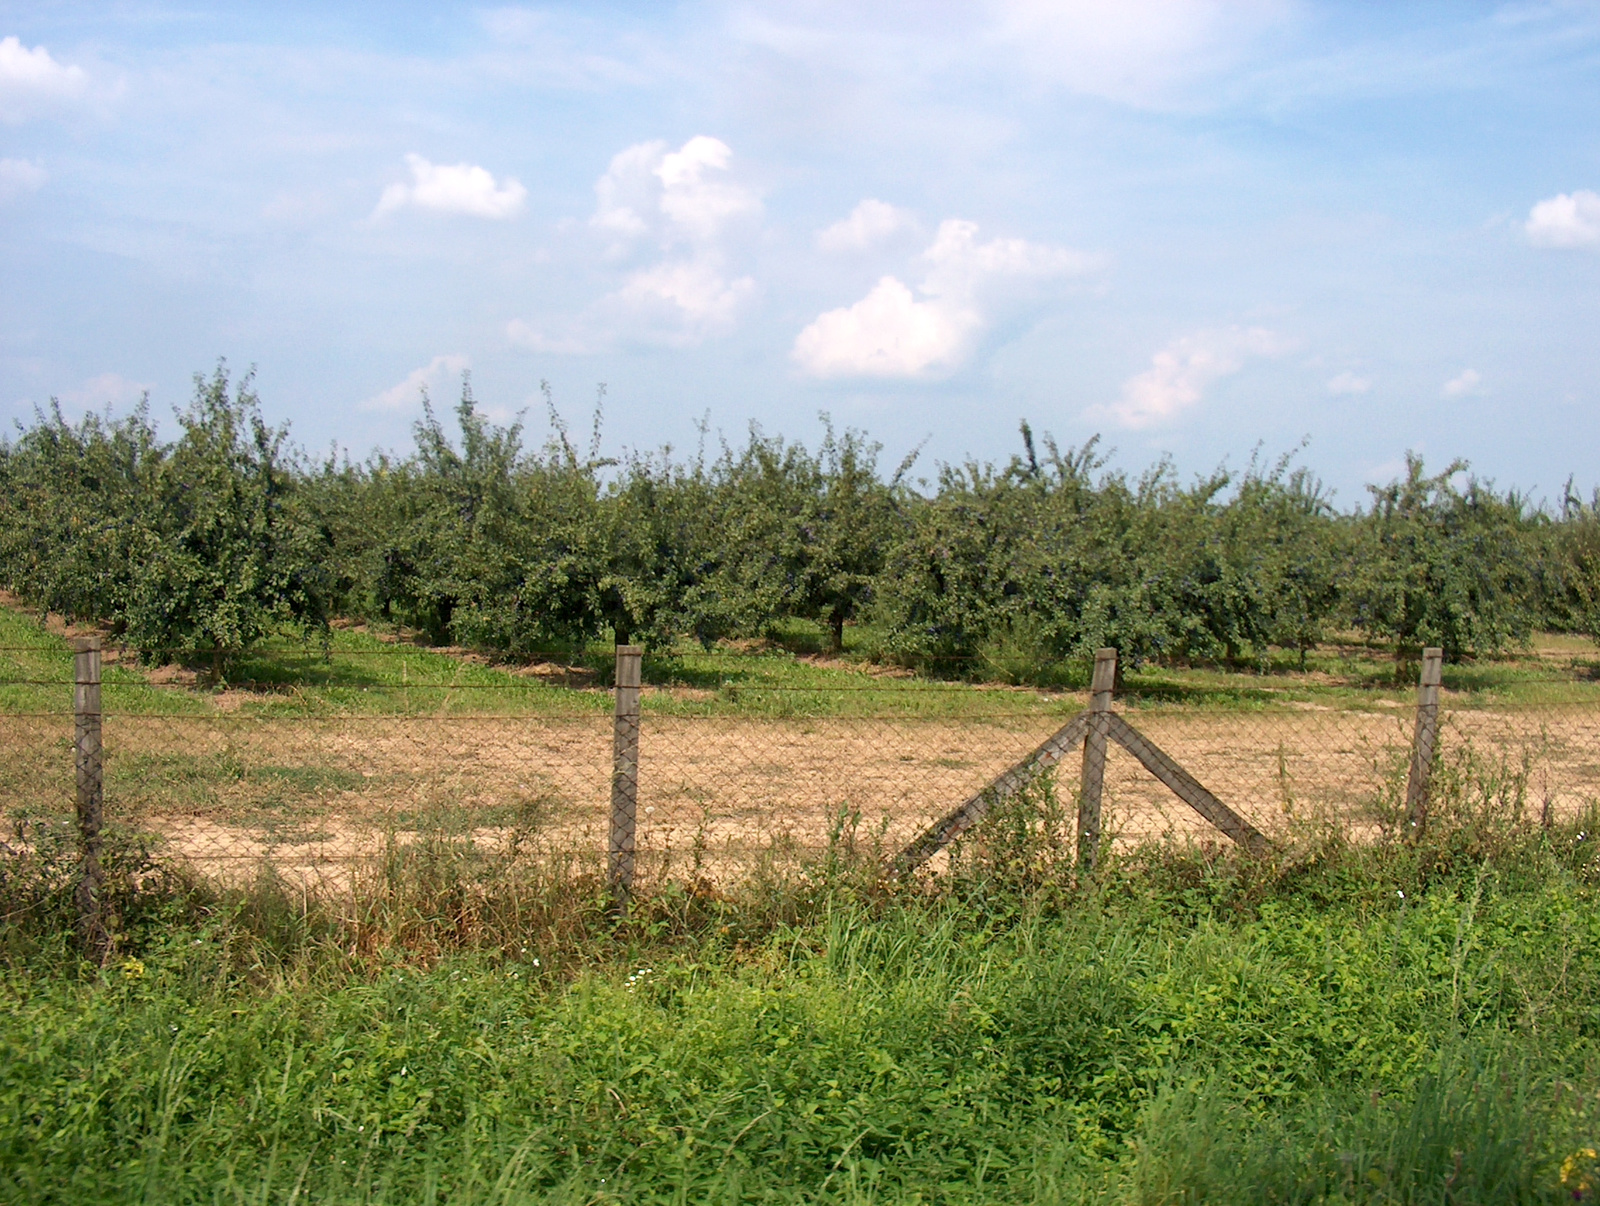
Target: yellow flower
(133,969)
(1578,1172)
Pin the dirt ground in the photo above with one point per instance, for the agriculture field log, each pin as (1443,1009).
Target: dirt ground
(716,795)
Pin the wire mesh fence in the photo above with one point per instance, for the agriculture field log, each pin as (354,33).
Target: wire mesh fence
(311,796)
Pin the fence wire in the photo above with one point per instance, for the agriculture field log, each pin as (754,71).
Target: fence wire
(723,796)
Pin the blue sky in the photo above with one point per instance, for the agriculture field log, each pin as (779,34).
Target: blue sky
(1193,227)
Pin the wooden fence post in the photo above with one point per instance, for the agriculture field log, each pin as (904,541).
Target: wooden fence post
(624,777)
(1422,744)
(89,765)
(1094,758)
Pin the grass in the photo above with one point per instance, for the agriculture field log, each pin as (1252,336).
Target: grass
(362,672)
(1389,1023)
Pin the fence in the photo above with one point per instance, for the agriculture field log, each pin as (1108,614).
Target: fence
(644,783)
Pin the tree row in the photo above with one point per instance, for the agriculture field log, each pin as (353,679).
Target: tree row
(197,547)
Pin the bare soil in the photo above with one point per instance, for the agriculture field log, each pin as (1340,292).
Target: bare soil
(311,796)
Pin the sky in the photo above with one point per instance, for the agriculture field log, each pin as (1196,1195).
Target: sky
(1202,229)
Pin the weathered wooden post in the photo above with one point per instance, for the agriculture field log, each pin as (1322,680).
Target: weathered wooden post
(1094,758)
(1422,744)
(88,762)
(624,777)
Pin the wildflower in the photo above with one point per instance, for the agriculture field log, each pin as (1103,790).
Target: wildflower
(1579,1173)
(1400,894)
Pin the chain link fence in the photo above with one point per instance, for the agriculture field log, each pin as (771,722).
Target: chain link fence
(229,792)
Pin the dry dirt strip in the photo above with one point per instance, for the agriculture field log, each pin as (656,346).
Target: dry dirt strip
(231,791)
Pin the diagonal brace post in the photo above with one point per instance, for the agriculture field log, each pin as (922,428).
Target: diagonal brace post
(956,822)
(1185,786)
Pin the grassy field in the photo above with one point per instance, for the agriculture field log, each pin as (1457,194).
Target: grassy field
(364,672)
(1341,1024)
(1353,1019)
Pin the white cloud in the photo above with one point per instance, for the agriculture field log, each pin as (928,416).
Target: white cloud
(1140,52)
(20,176)
(1350,383)
(691,298)
(869,223)
(696,202)
(684,201)
(888,333)
(891,333)
(1180,373)
(431,377)
(1467,381)
(629,190)
(682,195)
(959,266)
(1566,220)
(32,79)
(461,188)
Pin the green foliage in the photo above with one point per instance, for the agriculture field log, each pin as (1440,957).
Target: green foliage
(73,507)
(1436,564)
(485,544)
(226,553)
(1572,580)
(1042,555)
(1017,570)
(194,549)
(1348,1026)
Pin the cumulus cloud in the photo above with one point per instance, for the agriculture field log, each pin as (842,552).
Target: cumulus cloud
(1350,383)
(1180,373)
(869,224)
(677,207)
(31,80)
(1566,220)
(680,196)
(1467,381)
(430,378)
(460,188)
(893,333)
(694,199)
(20,176)
(888,333)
